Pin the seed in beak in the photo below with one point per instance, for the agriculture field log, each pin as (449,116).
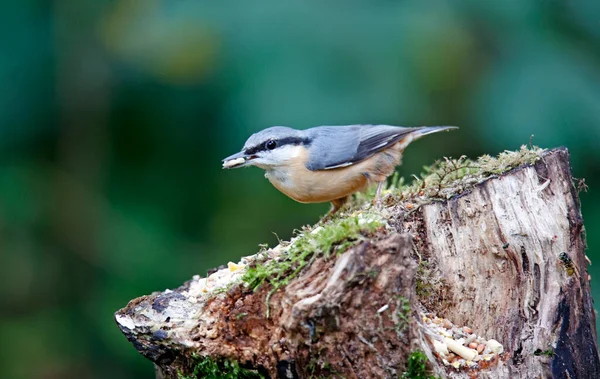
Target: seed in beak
(234,162)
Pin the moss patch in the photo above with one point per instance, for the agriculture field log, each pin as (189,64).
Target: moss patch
(423,281)
(430,286)
(207,368)
(450,177)
(416,368)
(335,236)
(402,316)
(544,353)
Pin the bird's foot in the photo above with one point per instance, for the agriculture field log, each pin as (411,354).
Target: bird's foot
(377,200)
(336,206)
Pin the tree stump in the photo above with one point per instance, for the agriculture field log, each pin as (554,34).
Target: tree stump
(489,283)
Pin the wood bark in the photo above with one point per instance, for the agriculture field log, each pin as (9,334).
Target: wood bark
(492,258)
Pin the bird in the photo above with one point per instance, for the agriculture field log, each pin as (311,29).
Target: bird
(328,163)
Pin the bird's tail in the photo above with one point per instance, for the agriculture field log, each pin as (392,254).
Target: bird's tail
(417,133)
(420,132)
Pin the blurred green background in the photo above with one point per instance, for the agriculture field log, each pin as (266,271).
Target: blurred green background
(114,116)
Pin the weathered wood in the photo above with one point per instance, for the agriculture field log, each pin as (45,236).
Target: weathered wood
(497,249)
(492,264)
(339,295)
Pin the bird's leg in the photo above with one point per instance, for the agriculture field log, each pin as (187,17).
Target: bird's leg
(336,205)
(377,199)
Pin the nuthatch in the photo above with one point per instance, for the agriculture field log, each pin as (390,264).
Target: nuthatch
(328,163)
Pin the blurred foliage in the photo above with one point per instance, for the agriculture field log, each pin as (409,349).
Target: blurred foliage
(114,116)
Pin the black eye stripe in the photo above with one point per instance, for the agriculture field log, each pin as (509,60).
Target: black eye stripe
(279,143)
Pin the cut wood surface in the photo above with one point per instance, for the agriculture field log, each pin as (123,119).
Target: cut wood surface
(490,283)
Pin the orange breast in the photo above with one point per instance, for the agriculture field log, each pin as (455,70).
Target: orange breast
(306,186)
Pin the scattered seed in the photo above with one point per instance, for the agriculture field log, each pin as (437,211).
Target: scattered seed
(470,339)
(461,348)
(440,348)
(383,309)
(233,267)
(495,346)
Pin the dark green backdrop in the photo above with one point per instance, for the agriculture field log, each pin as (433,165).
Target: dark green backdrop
(114,116)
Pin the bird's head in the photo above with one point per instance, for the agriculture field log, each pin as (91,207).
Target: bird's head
(271,147)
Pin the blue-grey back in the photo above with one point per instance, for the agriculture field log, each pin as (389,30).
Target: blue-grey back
(340,146)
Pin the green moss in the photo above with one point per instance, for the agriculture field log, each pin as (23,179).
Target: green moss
(402,315)
(208,368)
(335,236)
(430,286)
(423,287)
(545,353)
(426,281)
(416,368)
(449,177)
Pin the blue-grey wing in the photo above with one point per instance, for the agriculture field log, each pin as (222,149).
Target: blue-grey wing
(332,146)
(341,146)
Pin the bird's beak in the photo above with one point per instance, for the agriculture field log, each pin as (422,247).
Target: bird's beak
(240,159)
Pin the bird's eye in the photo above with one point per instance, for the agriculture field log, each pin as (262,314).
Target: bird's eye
(271,144)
